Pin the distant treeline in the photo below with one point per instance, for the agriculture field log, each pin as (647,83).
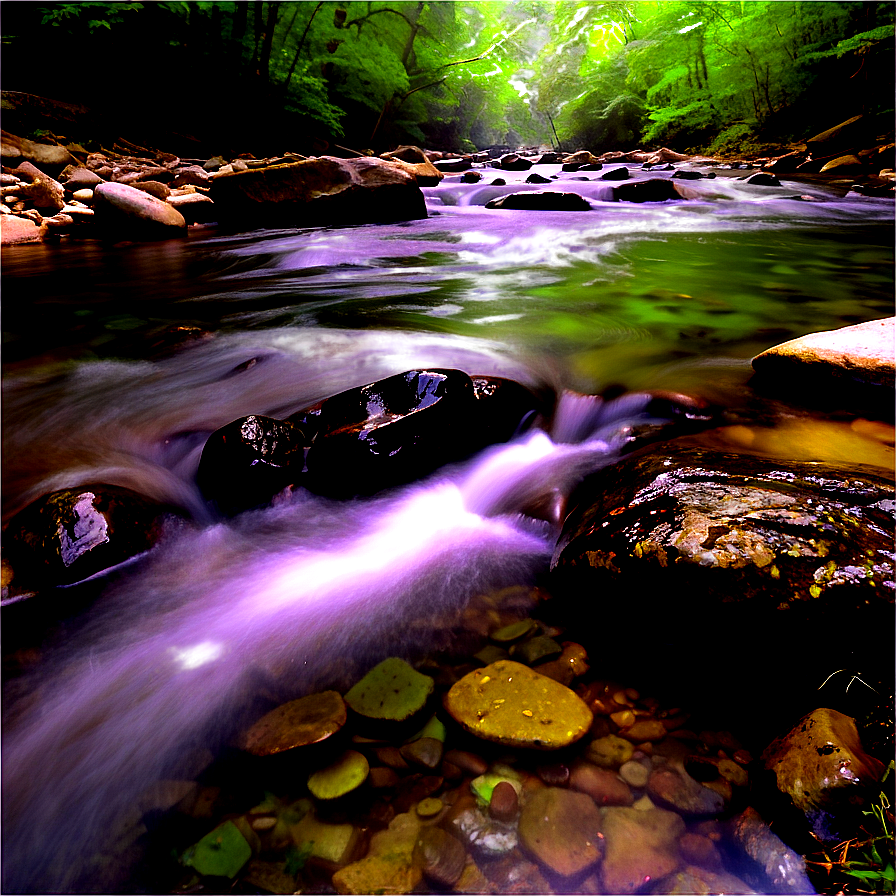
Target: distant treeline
(272,76)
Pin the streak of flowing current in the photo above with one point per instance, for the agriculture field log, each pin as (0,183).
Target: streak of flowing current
(305,594)
(169,660)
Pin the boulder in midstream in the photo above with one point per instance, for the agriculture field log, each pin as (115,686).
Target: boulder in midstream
(541,200)
(245,463)
(123,211)
(74,533)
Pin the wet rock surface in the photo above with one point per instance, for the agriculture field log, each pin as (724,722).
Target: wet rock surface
(821,767)
(72,534)
(541,200)
(772,550)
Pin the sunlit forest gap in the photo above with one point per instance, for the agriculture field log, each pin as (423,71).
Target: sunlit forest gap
(459,76)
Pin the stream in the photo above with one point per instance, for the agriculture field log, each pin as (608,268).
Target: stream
(149,667)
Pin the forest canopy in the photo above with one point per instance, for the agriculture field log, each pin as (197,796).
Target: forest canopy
(462,75)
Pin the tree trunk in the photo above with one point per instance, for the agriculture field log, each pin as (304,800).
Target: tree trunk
(295,58)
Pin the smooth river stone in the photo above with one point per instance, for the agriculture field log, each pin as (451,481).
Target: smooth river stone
(561,829)
(641,845)
(307,720)
(510,704)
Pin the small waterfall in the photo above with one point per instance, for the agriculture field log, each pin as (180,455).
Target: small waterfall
(305,594)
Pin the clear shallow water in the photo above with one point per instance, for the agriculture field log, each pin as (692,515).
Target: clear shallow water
(670,296)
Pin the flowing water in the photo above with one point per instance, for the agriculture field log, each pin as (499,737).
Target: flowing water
(166,659)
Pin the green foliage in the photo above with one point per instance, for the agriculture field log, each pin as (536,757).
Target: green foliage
(605,73)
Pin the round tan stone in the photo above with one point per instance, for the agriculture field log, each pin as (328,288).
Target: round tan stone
(510,704)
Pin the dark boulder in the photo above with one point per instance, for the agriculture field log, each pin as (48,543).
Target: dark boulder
(320,191)
(761,179)
(74,533)
(615,174)
(471,177)
(453,166)
(548,158)
(536,178)
(389,432)
(724,549)
(655,189)
(541,200)
(248,461)
(513,162)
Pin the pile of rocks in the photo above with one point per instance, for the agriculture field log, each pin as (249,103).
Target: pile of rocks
(140,194)
(512,770)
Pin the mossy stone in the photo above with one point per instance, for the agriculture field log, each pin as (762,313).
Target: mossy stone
(392,690)
(220,853)
(346,774)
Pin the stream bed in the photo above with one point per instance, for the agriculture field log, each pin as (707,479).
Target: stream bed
(120,359)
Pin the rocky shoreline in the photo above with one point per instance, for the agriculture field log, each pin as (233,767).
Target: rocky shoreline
(50,191)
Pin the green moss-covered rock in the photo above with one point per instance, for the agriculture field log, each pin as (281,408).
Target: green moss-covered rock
(343,776)
(220,853)
(392,691)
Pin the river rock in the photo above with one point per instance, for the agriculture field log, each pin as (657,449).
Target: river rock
(197,208)
(768,551)
(74,533)
(42,192)
(49,157)
(190,176)
(615,174)
(640,846)
(440,856)
(15,230)
(536,178)
(541,200)
(561,830)
(453,166)
(248,461)
(76,177)
(326,190)
(821,766)
(675,789)
(391,431)
(847,134)
(298,723)
(389,865)
(762,179)
(154,188)
(843,165)
(781,870)
(654,189)
(862,354)
(125,212)
(413,160)
(513,162)
(548,158)
(602,785)
(510,704)
(692,880)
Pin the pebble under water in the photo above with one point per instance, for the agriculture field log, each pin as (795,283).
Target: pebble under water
(151,670)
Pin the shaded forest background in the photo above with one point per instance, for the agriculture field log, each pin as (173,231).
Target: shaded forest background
(268,77)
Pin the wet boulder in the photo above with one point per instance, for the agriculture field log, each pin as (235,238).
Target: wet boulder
(655,189)
(721,546)
(548,158)
(324,190)
(453,166)
(854,362)
(541,200)
(513,162)
(15,230)
(387,432)
(415,161)
(248,461)
(821,767)
(74,533)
